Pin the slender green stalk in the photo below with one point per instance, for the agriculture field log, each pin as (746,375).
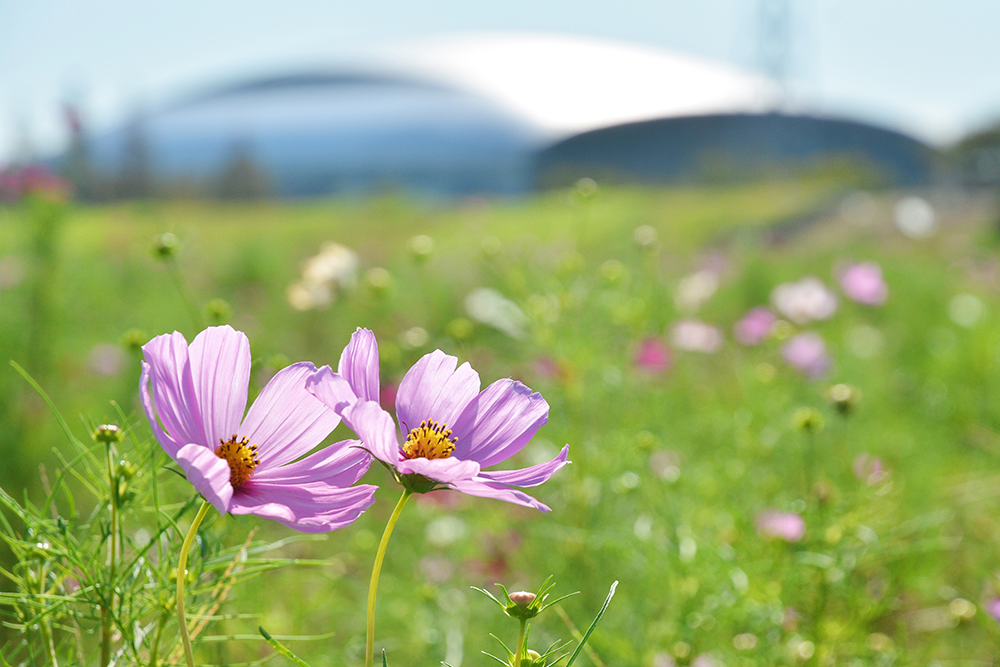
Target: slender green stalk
(155,646)
(376,570)
(182,575)
(189,305)
(519,655)
(108,609)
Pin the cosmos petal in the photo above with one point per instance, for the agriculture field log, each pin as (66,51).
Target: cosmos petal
(497,423)
(286,421)
(331,389)
(173,390)
(486,489)
(341,464)
(220,369)
(446,471)
(375,428)
(314,507)
(531,476)
(208,474)
(166,441)
(359,365)
(434,389)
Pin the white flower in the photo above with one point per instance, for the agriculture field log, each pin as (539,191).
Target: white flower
(804,301)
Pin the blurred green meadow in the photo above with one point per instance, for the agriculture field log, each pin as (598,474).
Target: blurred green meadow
(673,463)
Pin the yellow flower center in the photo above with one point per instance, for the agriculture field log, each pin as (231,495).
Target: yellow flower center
(430,440)
(241,457)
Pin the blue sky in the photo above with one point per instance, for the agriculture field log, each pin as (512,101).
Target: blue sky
(919,66)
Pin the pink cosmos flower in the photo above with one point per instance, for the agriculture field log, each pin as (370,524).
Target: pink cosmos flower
(863,283)
(249,464)
(807,352)
(652,356)
(787,526)
(755,326)
(451,430)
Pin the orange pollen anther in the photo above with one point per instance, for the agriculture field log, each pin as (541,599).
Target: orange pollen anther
(430,440)
(241,457)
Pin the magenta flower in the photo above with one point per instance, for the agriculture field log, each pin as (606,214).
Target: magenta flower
(863,283)
(250,464)
(451,430)
(787,526)
(652,356)
(807,352)
(755,326)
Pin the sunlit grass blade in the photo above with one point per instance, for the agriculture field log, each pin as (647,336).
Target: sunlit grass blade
(593,625)
(280,648)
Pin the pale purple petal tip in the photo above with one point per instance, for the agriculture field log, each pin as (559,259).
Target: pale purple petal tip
(375,428)
(331,389)
(359,365)
(485,489)
(208,474)
(531,476)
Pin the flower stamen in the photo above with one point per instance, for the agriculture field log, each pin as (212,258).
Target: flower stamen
(241,457)
(430,440)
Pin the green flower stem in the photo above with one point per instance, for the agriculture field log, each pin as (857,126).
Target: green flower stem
(182,575)
(376,570)
(519,656)
(178,278)
(107,611)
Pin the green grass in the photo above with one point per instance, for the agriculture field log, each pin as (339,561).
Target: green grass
(876,577)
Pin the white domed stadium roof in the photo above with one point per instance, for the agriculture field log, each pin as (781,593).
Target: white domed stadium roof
(564,85)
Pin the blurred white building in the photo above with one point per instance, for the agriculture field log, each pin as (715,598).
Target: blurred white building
(496,114)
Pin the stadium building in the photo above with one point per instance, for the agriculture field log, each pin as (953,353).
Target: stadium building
(479,114)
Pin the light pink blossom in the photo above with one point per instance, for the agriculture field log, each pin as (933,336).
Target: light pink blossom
(804,301)
(194,397)
(807,352)
(696,336)
(863,283)
(787,526)
(755,326)
(451,430)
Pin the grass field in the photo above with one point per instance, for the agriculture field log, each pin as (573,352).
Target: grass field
(672,467)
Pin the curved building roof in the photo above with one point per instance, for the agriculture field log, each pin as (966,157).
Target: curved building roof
(565,85)
(454,115)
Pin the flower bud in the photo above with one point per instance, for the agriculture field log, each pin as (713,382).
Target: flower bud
(807,420)
(134,339)
(421,247)
(532,658)
(522,598)
(844,397)
(218,311)
(108,434)
(165,247)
